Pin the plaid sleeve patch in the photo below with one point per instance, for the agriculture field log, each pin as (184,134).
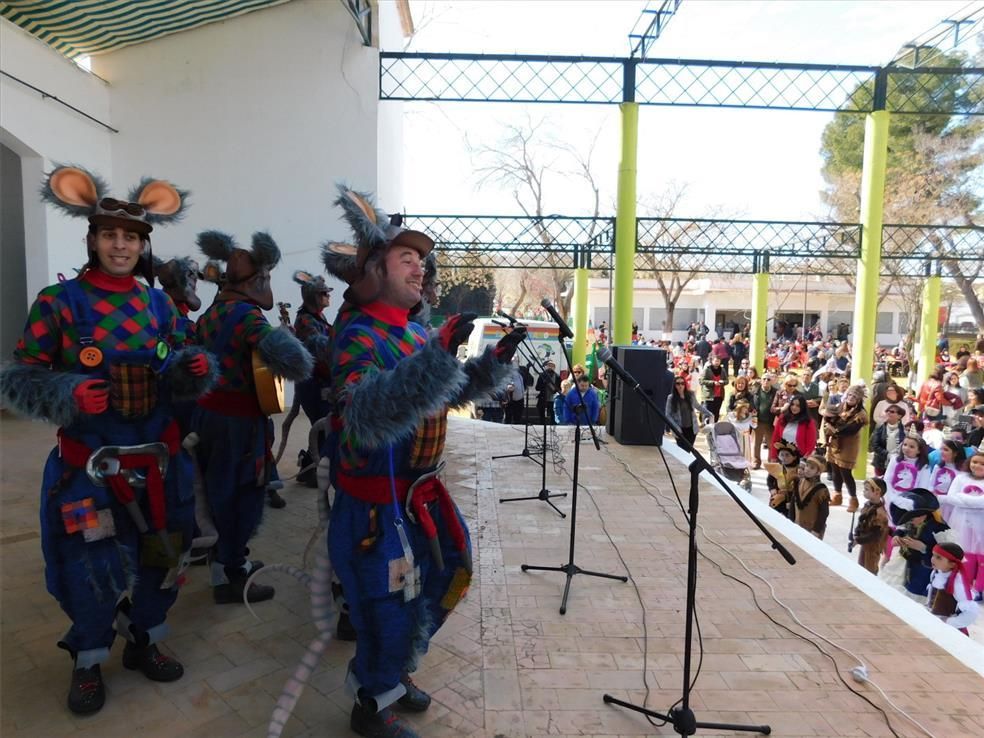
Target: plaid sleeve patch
(80,516)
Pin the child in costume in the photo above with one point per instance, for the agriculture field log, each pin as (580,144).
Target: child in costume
(905,472)
(101,357)
(966,498)
(871,530)
(397,541)
(235,435)
(783,476)
(949,596)
(811,498)
(918,530)
(949,465)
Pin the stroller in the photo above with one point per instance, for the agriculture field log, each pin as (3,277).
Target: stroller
(727,454)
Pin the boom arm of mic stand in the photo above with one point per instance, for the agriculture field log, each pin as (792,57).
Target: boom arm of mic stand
(704,464)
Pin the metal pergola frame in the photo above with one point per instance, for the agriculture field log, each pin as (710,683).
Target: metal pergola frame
(714,246)
(531,78)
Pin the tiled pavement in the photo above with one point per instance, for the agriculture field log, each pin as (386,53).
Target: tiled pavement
(506,663)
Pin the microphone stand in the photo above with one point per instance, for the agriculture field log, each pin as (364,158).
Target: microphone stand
(526,422)
(544,494)
(570,568)
(683,719)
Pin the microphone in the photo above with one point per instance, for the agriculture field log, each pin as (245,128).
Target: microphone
(565,331)
(510,318)
(605,355)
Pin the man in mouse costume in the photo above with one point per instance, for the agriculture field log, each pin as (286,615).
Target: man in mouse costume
(397,541)
(234,434)
(99,357)
(315,332)
(179,277)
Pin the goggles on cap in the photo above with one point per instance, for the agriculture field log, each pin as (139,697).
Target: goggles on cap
(110,205)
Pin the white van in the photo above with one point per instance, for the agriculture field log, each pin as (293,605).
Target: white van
(542,338)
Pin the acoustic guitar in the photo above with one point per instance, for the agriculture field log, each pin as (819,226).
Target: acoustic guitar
(270,387)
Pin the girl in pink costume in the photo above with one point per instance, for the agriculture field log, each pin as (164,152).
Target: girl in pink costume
(943,474)
(966,499)
(905,472)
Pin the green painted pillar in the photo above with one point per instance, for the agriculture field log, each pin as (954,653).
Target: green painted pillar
(928,328)
(869,265)
(625,226)
(760,310)
(580,303)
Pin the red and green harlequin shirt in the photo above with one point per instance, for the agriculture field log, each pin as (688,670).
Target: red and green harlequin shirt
(235,365)
(368,339)
(120,308)
(308,324)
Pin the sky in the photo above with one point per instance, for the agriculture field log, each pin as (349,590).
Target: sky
(728,163)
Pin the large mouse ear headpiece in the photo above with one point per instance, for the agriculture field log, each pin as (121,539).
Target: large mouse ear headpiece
(340,260)
(368,224)
(265,252)
(216,245)
(73,190)
(162,202)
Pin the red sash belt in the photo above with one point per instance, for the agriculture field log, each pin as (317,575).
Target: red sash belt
(76,454)
(375,489)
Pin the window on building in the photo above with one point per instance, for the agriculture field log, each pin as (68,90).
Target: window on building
(884,323)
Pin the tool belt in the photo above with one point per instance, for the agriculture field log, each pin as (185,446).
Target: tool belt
(121,468)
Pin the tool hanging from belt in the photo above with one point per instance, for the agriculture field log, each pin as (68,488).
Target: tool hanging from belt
(423,491)
(119,467)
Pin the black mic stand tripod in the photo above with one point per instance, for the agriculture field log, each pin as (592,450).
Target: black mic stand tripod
(570,568)
(544,494)
(683,719)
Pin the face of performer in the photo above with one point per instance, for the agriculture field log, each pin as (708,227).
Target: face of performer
(910,448)
(117,250)
(808,470)
(403,282)
(324,300)
(872,492)
(786,458)
(941,563)
(853,397)
(976,466)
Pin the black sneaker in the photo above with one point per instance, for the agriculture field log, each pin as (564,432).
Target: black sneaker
(154,665)
(232,592)
(274,499)
(382,724)
(86,693)
(416,699)
(308,474)
(344,631)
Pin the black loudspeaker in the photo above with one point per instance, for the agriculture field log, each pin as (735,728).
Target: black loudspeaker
(630,421)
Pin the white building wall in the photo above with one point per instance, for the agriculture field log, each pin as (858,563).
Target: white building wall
(389,168)
(258,116)
(41,131)
(713,295)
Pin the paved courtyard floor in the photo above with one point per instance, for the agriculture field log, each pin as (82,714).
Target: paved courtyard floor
(506,663)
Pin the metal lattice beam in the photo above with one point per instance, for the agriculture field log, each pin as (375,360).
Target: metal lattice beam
(920,250)
(679,82)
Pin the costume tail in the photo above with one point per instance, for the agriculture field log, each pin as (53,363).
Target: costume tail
(295,408)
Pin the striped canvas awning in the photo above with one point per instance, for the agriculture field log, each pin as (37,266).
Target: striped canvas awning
(85,27)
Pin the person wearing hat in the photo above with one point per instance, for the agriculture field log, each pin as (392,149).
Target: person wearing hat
(235,436)
(547,386)
(315,332)
(976,436)
(102,358)
(919,527)
(783,475)
(811,498)
(397,541)
(871,530)
(950,597)
(179,279)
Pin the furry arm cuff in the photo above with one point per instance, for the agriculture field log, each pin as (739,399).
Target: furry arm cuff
(385,406)
(485,374)
(319,346)
(39,392)
(285,355)
(184,385)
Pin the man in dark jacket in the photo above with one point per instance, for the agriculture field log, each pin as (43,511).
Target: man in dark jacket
(547,385)
(702,349)
(762,404)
